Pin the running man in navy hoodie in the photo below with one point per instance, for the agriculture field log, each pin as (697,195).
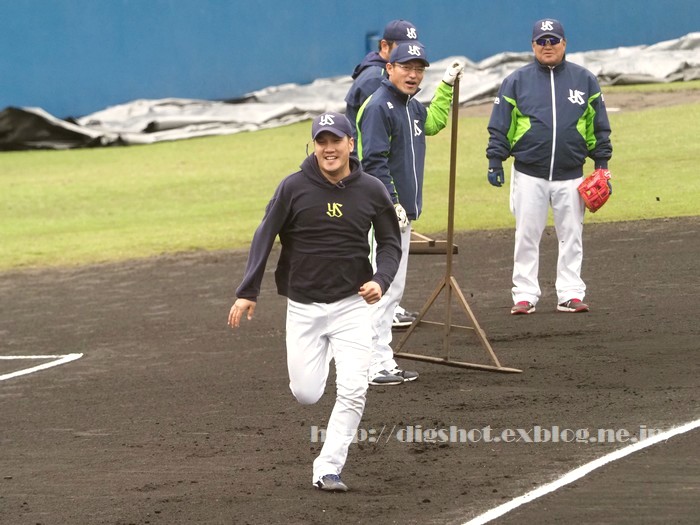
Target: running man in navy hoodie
(323,214)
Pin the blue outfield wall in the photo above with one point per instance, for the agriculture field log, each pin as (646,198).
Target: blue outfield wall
(74,57)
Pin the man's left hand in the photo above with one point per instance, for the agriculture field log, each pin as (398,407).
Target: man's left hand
(452,72)
(496,177)
(371,292)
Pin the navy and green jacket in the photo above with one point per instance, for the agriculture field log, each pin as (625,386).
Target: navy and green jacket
(367,76)
(391,131)
(549,120)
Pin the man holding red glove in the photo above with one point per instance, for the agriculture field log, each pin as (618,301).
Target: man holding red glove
(550,116)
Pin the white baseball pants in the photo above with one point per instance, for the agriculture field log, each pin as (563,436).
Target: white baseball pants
(530,199)
(383,312)
(317,333)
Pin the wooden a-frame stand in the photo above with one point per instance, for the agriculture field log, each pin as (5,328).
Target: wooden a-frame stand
(449,283)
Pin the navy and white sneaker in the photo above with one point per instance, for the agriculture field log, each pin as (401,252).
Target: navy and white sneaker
(406,375)
(331,483)
(385,378)
(403,320)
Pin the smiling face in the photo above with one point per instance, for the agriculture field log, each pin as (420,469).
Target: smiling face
(333,155)
(406,76)
(549,54)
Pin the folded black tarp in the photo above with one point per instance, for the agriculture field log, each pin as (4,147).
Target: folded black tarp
(33,128)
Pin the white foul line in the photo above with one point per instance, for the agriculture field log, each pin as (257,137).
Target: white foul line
(57,360)
(580,472)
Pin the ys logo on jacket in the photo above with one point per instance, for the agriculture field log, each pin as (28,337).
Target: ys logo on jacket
(576,97)
(334,210)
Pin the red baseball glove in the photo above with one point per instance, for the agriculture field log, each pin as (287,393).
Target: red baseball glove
(596,189)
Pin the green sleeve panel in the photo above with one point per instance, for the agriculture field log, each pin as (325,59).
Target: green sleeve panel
(439,109)
(358,141)
(585,124)
(519,123)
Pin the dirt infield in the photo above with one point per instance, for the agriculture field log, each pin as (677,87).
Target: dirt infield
(171,418)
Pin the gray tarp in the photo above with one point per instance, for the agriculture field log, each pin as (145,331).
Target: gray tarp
(149,121)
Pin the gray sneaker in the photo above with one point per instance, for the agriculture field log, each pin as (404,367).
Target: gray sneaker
(407,375)
(385,378)
(403,320)
(331,483)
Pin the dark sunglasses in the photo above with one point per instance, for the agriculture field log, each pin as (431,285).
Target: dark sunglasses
(544,41)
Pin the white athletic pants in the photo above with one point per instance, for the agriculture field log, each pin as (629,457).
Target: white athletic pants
(383,312)
(317,333)
(530,199)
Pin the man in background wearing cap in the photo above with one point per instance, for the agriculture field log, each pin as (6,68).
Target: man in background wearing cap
(550,116)
(369,73)
(391,129)
(323,214)
(367,77)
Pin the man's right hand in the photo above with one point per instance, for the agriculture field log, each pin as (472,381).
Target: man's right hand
(402,217)
(496,177)
(238,309)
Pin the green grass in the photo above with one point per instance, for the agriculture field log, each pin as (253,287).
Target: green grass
(93,205)
(658,88)
(653,166)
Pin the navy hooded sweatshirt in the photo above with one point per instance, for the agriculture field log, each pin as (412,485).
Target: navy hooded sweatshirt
(323,228)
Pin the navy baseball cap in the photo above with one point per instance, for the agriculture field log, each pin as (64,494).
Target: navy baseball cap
(336,123)
(407,51)
(547,26)
(400,31)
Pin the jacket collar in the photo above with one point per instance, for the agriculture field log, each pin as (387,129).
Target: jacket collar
(397,92)
(559,66)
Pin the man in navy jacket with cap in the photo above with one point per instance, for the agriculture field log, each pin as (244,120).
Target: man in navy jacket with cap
(550,116)
(392,126)
(367,77)
(369,73)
